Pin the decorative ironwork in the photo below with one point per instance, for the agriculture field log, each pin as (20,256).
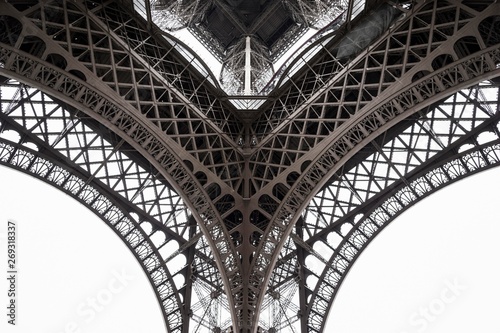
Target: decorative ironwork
(266,207)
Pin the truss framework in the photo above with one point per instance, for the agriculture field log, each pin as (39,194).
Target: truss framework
(136,133)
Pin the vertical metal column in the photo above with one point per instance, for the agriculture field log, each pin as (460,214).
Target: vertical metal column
(248,66)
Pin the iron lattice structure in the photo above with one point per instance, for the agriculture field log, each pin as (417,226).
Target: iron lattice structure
(247,220)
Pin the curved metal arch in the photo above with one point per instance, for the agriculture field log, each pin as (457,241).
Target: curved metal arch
(368,186)
(111,90)
(437,132)
(163,218)
(372,118)
(87,99)
(76,184)
(101,103)
(322,100)
(95,93)
(112,110)
(83,96)
(393,204)
(361,132)
(219,235)
(394,157)
(366,127)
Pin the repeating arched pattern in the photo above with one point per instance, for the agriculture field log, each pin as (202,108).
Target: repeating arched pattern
(360,132)
(57,144)
(119,218)
(58,74)
(457,138)
(410,89)
(464,120)
(364,231)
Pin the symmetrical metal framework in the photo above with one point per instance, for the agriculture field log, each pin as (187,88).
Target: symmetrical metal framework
(265,209)
(260,30)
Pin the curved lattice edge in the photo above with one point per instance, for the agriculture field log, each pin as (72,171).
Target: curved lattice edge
(338,223)
(199,259)
(90,195)
(392,205)
(55,82)
(424,92)
(114,112)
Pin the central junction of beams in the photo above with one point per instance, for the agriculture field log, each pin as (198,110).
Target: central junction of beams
(248,37)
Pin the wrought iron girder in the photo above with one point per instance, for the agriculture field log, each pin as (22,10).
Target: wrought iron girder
(400,198)
(396,102)
(32,71)
(459,120)
(418,93)
(334,230)
(182,129)
(58,171)
(323,163)
(317,104)
(69,138)
(82,69)
(148,72)
(55,130)
(198,121)
(117,218)
(108,108)
(394,155)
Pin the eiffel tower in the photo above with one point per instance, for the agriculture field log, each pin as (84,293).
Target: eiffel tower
(247,195)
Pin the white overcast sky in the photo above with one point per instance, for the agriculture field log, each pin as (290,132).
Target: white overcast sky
(435,269)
